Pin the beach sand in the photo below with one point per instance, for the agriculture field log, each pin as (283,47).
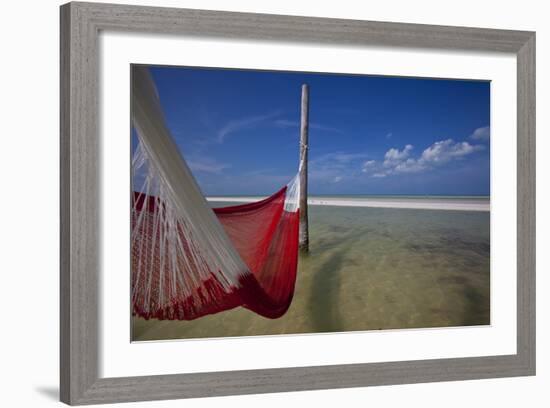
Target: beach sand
(370,269)
(432,203)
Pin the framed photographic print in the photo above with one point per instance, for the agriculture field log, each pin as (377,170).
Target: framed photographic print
(248,191)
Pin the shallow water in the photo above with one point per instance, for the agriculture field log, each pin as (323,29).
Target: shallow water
(370,269)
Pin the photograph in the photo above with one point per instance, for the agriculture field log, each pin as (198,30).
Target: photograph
(290,203)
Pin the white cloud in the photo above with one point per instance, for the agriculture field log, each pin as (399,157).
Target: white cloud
(287,123)
(395,156)
(312,125)
(206,165)
(368,166)
(482,134)
(400,161)
(338,158)
(264,181)
(446,150)
(234,126)
(334,167)
(410,166)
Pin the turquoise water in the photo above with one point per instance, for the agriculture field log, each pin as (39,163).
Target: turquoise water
(370,269)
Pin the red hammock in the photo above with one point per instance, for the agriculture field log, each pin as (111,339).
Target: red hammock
(264,234)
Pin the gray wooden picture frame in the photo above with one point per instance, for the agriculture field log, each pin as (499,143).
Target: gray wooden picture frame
(80,237)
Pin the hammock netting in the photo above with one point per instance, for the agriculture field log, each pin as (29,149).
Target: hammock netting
(189,260)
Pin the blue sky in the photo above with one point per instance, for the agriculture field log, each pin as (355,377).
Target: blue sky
(239,131)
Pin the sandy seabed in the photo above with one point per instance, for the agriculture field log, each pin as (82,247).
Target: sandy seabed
(370,269)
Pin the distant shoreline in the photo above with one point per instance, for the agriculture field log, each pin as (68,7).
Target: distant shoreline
(416,203)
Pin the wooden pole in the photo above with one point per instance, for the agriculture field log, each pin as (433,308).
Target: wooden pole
(304,130)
